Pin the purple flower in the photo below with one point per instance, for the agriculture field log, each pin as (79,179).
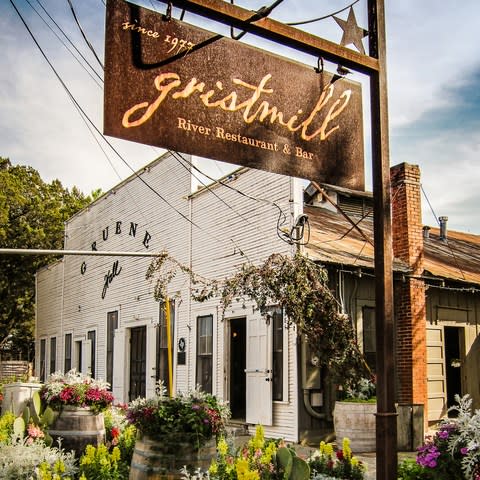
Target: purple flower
(195,407)
(427,456)
(464,450)
(443,434)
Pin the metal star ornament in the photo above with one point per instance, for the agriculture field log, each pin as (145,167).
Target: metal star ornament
(352,33)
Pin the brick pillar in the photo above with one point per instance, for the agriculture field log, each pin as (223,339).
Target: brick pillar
(410,298)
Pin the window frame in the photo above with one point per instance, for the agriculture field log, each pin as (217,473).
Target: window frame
(204,356)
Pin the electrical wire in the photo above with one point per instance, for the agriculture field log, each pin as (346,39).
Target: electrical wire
(90,46)
(179,157)
(65,45)
(72,98)
(258,15)
(447,242)
(305,22)
(282,217)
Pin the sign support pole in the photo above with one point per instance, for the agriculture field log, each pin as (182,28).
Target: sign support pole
(374,66)
(386,421)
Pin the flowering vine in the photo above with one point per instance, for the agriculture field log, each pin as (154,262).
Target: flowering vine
(293,283)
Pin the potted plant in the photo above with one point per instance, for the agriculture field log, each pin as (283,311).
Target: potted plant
(175,431)
(75,389)
(78,401)
(354,414)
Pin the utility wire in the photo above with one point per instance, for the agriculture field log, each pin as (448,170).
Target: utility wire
(67,38)
(447,242)
(258,15)
(304,22)
(282,218)
(90,46)
(72,98)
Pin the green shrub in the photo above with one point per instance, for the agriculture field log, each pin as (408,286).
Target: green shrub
(6,427)
(409,469)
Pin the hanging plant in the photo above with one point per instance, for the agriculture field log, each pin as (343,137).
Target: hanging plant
(297,285)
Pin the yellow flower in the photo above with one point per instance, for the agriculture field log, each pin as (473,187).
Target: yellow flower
(258,441)
(222,447)
(241,466)
(347,451)
(115,454)
(266,458)
(59,467)
(213,470)
(326,449)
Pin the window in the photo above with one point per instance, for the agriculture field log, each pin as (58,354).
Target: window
(369,337)
(205,352)
(112,325)
(162,342)
(78,355)
(53,354)
(43,359)
(277,374)
(91,336)
(68,352)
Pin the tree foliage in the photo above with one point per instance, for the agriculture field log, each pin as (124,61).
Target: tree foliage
(32,215)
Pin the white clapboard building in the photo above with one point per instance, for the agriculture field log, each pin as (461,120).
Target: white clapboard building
(98,314)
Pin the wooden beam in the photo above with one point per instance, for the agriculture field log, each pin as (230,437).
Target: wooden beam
(249,21)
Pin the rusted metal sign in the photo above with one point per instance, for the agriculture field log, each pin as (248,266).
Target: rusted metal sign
(180,87)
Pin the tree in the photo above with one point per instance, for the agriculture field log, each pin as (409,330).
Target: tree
(32,215)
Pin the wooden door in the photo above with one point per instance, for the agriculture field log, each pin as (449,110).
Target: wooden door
(138,362)
(259,371)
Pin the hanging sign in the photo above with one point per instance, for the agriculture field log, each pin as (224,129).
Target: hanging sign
(176,86)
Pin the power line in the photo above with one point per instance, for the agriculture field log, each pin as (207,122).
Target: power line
(304,22)
(448,243)
(90,46)
(67,38)
(72,98)
(282,218)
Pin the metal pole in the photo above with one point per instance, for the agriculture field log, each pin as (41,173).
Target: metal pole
(244,19)
(386,421)
(37,251)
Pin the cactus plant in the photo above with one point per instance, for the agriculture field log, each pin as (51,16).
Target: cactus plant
(33,414)
(292,467)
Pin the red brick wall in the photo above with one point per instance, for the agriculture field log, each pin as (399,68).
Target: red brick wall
(410,298)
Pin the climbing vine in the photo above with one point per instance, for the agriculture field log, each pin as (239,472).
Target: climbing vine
(297,285)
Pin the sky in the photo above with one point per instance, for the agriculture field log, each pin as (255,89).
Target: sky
(433,70)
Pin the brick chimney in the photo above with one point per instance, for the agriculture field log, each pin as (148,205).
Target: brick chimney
(410,301)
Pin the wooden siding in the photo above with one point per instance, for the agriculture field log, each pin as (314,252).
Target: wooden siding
(227,229)
(449,308)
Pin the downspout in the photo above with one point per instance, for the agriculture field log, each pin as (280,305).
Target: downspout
(189,296)
(303,350)
(62,338)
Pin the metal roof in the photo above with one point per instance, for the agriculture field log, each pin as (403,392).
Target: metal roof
(457,258)
(335,240)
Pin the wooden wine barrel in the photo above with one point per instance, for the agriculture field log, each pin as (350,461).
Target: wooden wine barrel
(164,458)
(78,427)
